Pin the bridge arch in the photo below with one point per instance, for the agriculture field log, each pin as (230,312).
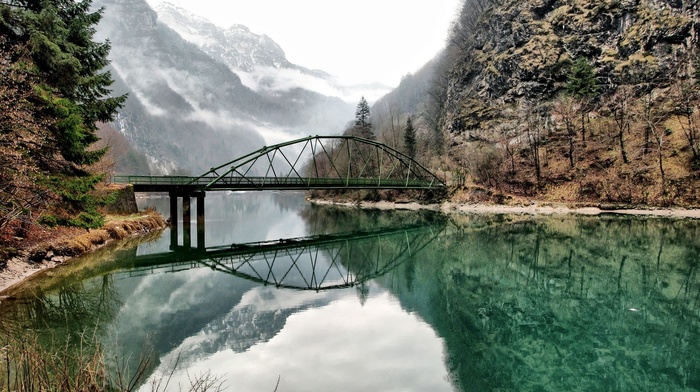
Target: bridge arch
(322,162)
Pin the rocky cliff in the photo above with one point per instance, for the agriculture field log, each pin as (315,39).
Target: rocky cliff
(523,50)
(574,100)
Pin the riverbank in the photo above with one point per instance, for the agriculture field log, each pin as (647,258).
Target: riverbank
(70,243)
(74,243)
(530,209)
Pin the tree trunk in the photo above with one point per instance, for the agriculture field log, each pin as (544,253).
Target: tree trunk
(622,145)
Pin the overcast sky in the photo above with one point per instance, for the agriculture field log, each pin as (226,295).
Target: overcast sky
(358,41)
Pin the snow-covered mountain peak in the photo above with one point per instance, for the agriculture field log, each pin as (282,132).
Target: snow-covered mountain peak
(237,47)
(258,60)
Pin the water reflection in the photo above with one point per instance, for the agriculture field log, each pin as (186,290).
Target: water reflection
(565,304)
(321,262)
(193,313)
(491,302)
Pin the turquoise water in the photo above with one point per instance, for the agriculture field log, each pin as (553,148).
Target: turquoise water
(363,300)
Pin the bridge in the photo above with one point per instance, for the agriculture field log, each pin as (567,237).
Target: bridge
(310,163)
(318,263)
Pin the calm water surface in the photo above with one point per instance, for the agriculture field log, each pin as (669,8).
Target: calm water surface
(354,300)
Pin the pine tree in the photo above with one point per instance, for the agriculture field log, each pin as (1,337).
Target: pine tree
(362,125)
(54,89)
(58,36)
(409,138)
(581,82)
(582,85)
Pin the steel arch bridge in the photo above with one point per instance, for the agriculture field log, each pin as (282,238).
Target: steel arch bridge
(310,163)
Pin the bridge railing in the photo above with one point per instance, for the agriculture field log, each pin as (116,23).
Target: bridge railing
(151,180)
(239,183)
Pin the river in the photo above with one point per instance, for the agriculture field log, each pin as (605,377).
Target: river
(326,298)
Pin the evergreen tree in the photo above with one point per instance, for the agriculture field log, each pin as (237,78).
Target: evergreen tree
(58,37)
(362,125)
(582,85)
(54,89)
(409,138)
(581,82)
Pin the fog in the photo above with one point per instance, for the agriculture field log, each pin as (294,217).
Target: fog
(188,112)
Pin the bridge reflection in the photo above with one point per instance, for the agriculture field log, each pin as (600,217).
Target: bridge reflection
(321,262)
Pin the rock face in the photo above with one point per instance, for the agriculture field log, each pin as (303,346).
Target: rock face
(522,50)
(235,46)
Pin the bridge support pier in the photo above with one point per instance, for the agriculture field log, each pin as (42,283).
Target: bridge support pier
(186,223)
(186,220)
(200,221)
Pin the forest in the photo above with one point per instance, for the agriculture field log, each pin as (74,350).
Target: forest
(54,92)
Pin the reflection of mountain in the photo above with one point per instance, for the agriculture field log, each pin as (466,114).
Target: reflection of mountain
(563,304)
(259,316)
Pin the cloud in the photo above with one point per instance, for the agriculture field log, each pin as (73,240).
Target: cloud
(270,79)
(325,348)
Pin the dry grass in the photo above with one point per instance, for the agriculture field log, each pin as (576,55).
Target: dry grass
(117,227)
(28,365)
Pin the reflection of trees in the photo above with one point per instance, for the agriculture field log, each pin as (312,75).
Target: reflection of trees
(328,219)
(565,304)
(66,309)
(70,310)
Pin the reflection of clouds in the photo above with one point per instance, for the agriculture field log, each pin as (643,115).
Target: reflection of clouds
(342,346)
(270,299)
(186,290)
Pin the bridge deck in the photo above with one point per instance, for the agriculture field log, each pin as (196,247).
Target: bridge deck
(195,184)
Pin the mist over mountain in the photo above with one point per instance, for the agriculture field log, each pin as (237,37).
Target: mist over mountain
(187,110)
(258,60)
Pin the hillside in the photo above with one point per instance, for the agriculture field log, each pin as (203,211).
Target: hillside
(565,100)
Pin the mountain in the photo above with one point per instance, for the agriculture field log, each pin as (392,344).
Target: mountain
(258,60)
(582,101)
(188,111)
(235,46)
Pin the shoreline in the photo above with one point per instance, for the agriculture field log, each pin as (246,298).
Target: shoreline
(532,209)
(21,267)
(54,253)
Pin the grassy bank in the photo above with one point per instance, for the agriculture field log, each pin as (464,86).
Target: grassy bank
(59,245)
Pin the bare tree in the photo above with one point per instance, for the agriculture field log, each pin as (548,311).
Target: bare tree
(566,110)
(508,140)
(623,115)
(537,123)
(685,98)
(654,113)
(394,112)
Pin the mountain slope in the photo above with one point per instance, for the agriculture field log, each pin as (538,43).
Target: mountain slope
(258,60)
(569,100)
(235,46)
(524,49)
(188,111)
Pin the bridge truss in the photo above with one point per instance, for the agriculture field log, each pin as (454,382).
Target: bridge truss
(324,162)
(313,162)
